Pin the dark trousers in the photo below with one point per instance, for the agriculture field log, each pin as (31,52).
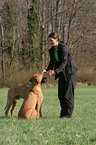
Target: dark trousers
(66,90)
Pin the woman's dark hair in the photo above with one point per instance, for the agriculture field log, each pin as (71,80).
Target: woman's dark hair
(53,35)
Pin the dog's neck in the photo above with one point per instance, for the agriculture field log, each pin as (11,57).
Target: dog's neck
(37,88)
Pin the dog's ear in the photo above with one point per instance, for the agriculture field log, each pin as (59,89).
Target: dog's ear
(31,79)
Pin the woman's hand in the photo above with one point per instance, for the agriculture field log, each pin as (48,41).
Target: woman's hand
(44,71)
(51,73)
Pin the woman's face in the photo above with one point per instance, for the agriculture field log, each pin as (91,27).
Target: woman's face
(53,41)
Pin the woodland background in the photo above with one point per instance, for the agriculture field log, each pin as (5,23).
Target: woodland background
(24,28)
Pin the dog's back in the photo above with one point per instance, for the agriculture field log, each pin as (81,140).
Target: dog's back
(15,93)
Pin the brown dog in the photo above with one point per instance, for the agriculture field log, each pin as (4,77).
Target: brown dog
(17,92)
(28,109)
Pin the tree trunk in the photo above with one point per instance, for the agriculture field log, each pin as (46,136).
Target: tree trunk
(2,59)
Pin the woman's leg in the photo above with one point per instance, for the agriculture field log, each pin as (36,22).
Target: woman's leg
(61,95)
(66,95)
(69,94)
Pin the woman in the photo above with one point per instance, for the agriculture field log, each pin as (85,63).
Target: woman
(64,67)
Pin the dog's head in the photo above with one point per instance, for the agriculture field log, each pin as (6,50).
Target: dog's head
(37,78)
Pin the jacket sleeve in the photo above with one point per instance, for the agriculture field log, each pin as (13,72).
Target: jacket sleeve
(50,66)
(63,54)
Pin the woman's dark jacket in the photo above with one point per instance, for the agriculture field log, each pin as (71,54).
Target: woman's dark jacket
(66,65)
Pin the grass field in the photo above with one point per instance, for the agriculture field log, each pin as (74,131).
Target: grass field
(51,130)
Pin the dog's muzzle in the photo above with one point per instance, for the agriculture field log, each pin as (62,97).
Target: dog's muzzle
(44,80)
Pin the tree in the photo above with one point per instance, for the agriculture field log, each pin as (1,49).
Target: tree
(25,26)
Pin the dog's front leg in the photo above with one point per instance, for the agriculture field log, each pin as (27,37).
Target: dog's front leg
(39,102)
(38,109)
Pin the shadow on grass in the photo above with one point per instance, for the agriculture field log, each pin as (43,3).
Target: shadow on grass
(93,139)
(43,118)
(9,117)
(57,117)
(2,117)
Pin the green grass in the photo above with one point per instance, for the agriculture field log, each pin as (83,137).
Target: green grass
(51,130)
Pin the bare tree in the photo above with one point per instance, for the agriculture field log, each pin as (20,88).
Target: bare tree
(25,26)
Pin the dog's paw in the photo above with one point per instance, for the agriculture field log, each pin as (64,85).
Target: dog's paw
(37,117)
